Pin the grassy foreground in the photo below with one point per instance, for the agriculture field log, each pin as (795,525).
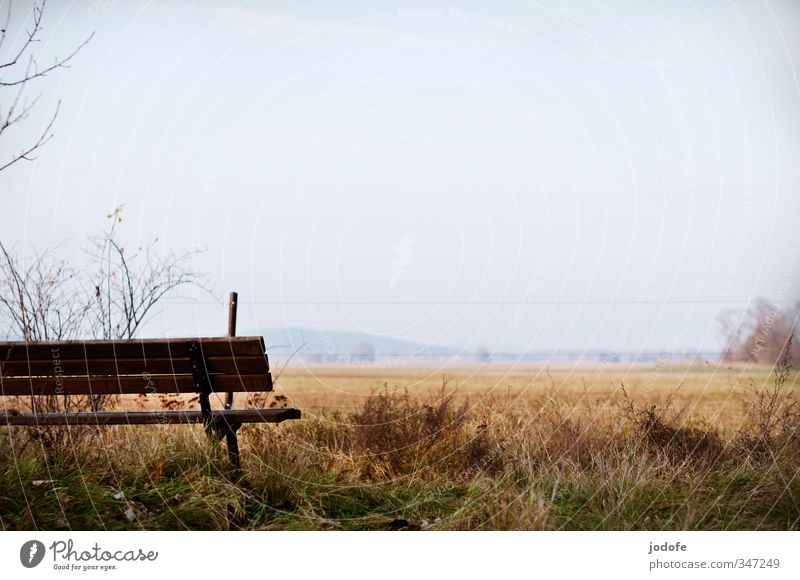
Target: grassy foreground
(563,456)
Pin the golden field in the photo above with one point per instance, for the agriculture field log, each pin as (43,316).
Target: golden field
(707,393)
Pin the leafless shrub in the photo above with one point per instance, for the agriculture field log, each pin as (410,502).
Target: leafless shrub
(127,284)
(482,452)
(656,430)
(399,431)
(772,414)
(43,300)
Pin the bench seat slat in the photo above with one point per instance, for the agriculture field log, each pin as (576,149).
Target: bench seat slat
(248,365)
(149,417)
(134,384)
(137,349)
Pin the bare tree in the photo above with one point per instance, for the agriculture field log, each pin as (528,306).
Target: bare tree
(17,71)
(763,334)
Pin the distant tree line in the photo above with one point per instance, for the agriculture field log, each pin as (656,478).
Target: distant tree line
(764,334)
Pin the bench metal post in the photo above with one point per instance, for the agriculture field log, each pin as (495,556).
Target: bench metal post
(233,303)
(219,428)
(231,439)
(233,445)
(202,381)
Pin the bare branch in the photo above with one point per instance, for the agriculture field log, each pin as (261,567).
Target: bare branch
(43,138)
(20,109)
(13,116)
(4,30)
(59,63)
(38,12)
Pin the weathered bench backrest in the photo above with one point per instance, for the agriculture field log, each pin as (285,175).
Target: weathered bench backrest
(232,364)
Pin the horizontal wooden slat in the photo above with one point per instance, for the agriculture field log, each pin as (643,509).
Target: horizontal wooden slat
(149,417)
(126,349)
(130,384)
(248,365)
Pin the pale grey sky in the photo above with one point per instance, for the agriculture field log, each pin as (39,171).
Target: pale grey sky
(433,155)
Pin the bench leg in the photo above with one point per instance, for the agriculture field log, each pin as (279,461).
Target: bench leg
(219,428)
(233,446)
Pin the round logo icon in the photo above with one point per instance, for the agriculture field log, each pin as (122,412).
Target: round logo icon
(31,553)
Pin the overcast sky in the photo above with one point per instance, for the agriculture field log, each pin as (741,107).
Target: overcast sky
(430,156)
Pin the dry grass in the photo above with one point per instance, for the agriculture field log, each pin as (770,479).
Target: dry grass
(699,448)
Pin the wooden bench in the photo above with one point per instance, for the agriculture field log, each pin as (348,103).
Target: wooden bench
(153,366)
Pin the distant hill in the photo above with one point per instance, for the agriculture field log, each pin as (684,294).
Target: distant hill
(330,346)
(315,345)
